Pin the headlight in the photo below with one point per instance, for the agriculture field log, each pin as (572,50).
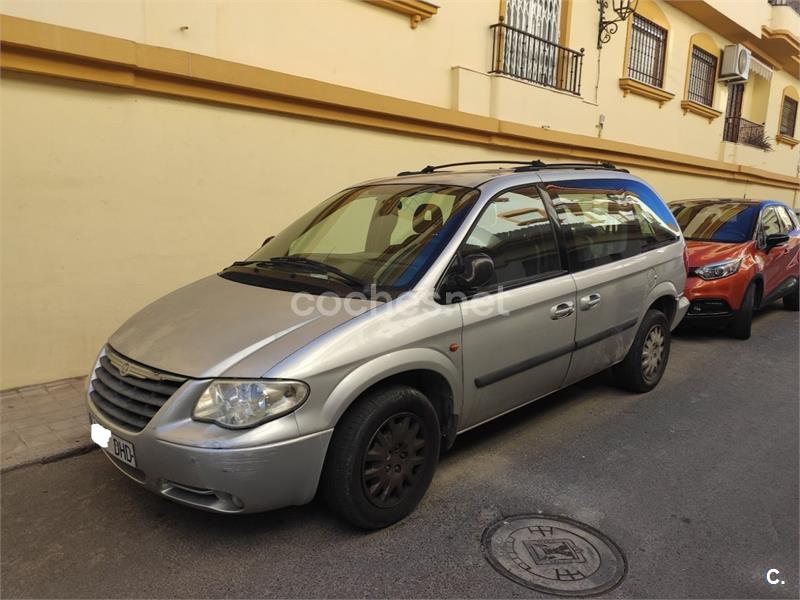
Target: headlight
(240,404)
(718,270)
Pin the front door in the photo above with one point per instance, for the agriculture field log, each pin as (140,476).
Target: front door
(777,260)
(519,331)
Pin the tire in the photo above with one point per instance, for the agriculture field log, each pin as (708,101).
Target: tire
(742,322)
(382,457)
(792,301)
(640,373)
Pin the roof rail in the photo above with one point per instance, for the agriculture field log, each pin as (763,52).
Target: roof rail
(523,166)
(609,166)
(432,168)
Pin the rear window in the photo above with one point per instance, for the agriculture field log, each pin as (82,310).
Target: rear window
(713,221)
(608,220)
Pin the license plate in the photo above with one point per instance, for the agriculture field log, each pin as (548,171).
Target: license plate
(115,446)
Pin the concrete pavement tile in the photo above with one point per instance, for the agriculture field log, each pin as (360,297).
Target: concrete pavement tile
(23,423)
(66,424)
(33,392)
(62,412)
(10,442)
(30,433)
(77,437)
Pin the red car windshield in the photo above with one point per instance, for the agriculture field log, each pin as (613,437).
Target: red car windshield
(724,222)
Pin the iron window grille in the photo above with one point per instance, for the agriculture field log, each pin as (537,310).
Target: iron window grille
(647,52)
(788,116)
(702,76)
(522,55)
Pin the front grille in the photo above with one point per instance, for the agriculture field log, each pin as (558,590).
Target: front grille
(130,400)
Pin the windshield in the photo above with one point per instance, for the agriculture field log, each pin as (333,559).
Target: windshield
(379,235)
(712,221)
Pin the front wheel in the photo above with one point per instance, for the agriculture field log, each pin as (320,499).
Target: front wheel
(743,321)
(644,365)
(792,301)
(382,457)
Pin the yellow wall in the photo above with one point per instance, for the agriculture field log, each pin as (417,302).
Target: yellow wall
(111,199)
(359,45)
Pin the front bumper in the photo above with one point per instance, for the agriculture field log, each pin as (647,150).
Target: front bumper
(227,480)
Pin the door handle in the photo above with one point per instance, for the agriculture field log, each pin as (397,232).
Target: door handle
(590,301)
(559,311)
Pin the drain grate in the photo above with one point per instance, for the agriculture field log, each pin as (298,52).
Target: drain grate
(554,555)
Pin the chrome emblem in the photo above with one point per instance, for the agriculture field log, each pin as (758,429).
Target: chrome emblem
(124,368)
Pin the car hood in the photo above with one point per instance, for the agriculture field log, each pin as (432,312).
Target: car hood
(706,253)
(220,328)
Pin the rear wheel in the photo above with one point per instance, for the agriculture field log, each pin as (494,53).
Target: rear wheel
(792,301)
(382,457)
(644,365)
(742,322)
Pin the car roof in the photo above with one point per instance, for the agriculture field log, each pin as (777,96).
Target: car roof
(477,177)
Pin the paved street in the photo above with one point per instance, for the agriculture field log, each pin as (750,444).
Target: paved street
(697,482)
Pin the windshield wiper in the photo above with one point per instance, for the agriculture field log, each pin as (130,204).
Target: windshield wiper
(309,264)
(320,267)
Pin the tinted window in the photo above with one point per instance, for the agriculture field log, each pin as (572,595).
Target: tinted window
(715,221)
(786,218)
(770,223)
(515,231)
(604,225)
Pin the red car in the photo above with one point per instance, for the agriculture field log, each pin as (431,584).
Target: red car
(742,255)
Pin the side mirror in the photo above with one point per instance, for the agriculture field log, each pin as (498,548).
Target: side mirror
(264,243)
(776,239)
(476,271)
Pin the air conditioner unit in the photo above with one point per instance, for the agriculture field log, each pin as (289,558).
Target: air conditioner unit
(735,63)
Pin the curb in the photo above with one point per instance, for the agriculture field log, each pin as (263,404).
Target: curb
(50,458)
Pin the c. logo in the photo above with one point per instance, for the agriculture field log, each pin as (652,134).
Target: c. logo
(124,369)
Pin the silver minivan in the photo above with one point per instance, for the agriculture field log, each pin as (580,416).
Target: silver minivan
(356,344)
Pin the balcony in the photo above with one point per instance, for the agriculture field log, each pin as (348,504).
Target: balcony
(741,131)
(524,56)
(793,4)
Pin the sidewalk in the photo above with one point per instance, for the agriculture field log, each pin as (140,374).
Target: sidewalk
(42,422)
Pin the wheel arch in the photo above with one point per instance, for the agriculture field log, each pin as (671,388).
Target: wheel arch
(427,370)
(663,297)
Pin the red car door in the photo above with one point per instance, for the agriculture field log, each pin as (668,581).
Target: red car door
(792,255)
(776,260)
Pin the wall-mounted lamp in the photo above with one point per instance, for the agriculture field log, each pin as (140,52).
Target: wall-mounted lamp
(622,10)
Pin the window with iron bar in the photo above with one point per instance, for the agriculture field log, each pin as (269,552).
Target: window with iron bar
(702,76)
(647,52)
(788,116)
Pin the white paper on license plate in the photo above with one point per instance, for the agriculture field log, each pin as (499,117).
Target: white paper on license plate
(115,446)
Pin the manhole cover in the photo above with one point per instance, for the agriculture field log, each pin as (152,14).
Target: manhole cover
(554,555)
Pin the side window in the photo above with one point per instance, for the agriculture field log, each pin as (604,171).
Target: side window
(770,223)
(654,230)
(786,219)
(515,231)
(602,226)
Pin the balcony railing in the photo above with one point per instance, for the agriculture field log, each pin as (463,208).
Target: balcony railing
(522,55)
(742,131)
(795,4)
